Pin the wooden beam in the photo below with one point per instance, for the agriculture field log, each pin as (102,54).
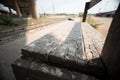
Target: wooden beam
(31,70)
(10,10)
(111,49)
(89,5)
(93,3)
(17,8)
(85,11)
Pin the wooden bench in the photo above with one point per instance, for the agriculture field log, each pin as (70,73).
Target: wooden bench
(67,53)
(66,48)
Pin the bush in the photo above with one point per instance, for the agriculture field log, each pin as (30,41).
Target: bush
(7,20)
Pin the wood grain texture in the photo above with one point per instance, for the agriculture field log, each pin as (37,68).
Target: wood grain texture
(29,70)
(93,41)
(64,48)
(93,44)
(65,44)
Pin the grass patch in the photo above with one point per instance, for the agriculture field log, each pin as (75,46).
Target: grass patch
(41,20)
(36,21)
(7,21)
(92,22)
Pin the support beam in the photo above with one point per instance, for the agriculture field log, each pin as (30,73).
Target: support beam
(17,8)
(111,49)
(93,3)
(10,10)
(33,10)
(85,11)
(89,5)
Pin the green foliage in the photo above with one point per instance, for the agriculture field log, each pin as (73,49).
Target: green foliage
(7,20)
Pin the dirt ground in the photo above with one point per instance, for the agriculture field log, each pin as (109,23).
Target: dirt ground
(104,22)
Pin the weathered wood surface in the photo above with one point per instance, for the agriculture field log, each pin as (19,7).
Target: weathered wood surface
(93,41)
(64,43)
(93,44)
(29,70)
(63,48)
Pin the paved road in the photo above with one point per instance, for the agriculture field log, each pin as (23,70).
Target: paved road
(9,52)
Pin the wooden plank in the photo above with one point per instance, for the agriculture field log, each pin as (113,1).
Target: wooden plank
(17,8)
(48,43)
(111,49)
(29,70)
(93,3)
(93,43)
(85,11)
(89,5)
(71,48)
(64,49)
(58,47)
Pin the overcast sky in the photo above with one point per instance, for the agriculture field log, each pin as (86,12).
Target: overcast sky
(74,6)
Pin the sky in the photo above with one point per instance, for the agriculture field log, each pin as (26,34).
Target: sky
(74,6)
